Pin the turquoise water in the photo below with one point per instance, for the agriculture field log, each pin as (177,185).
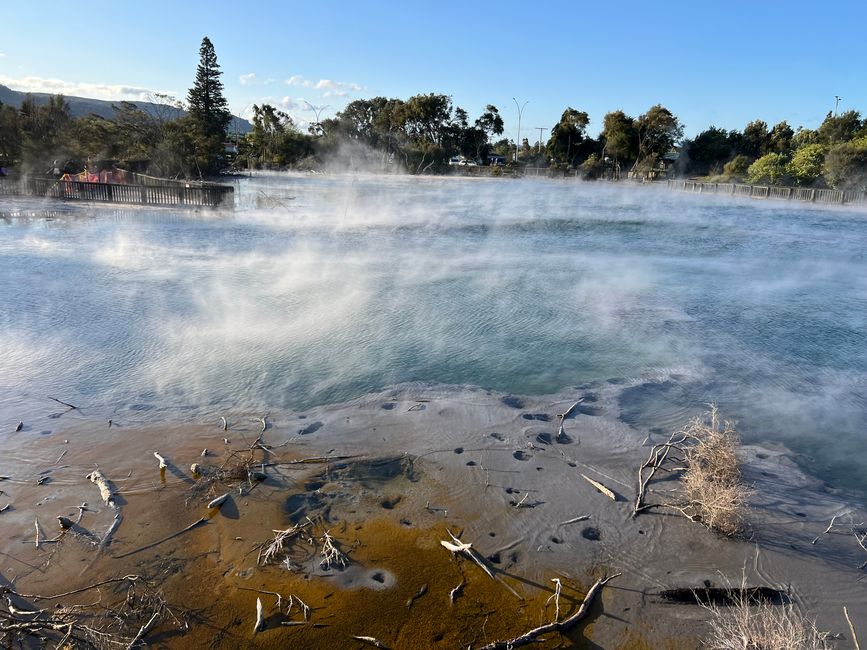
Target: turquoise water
(320,289)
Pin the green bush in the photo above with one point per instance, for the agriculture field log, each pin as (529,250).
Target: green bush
(770,169)
(806,165)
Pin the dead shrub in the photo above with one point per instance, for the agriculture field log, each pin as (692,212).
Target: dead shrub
(744,625)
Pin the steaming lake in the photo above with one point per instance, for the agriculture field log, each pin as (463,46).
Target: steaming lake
(320,289)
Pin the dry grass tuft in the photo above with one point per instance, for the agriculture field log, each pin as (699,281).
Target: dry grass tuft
(715,494)
(762,626)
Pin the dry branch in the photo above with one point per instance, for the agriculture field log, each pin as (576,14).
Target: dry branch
(71,407)
(331,554)
(532,636)
(705,450)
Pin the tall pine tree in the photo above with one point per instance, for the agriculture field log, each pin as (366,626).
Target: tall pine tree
(208,108)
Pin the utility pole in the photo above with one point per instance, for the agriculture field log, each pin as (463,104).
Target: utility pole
(541,128)
(520,110)
(836,104)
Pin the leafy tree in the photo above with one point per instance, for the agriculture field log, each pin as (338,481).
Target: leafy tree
(658,131)
(806,164)
(11,135)
(567,136)
(755,139)
(840,128)
(780,138)
(44,129)
(846,165)
(620,136)
(708,151)
(769,169)
(804,137)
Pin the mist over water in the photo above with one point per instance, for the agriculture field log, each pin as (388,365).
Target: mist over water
(320,289)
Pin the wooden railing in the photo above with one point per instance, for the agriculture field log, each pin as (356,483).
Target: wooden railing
(166,194)
(771,192)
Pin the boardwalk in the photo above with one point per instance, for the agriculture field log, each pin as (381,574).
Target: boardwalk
(806,194)
(167,194)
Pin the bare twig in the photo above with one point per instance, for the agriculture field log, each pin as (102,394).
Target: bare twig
(531,636)
(454,593)
(331,554)
(71,407)
(574,520)
(126,578)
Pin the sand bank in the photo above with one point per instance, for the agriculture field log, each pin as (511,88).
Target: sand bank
(387,476)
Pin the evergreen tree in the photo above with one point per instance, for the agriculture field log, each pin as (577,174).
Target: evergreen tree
(208,108)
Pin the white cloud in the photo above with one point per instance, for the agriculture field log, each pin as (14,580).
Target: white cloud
(289,104)
(269,80)
(248,79)
(332,88)
(297,80)
(2,54)
(80,89)
(337,86)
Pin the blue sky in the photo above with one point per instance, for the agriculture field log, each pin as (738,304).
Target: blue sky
(710,63)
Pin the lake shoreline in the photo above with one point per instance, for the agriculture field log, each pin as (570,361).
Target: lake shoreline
(388,475)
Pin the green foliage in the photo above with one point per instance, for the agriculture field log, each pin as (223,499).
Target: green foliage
(806,165)
(770,169)
(11,135)
(208,111)
(846,165)
(780,138)
(737,167)
(707,152)
(755,140)
(620,136)
(840,128)
(658,131)
(567,136)
(804,137)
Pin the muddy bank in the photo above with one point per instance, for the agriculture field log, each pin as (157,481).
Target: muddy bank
(387,477)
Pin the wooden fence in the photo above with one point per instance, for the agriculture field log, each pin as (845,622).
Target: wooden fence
(770,192)
(173,194)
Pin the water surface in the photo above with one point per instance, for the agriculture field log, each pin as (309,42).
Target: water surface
(321,289)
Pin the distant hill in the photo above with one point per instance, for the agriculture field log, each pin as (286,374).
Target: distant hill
(81,106)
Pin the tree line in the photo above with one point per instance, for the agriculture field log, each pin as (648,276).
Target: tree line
(40,138)
(420,135)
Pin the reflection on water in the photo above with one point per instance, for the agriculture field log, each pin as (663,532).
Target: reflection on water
(323,288)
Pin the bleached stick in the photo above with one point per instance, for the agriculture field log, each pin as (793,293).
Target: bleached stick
(376,643)
(575,520)
(162,460)
(851,628)
(604,490)
(260,616)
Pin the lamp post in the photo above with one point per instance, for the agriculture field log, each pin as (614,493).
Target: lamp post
(316,110)
(520,110)
(836,104)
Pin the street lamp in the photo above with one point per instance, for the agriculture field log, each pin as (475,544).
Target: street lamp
(520,110)
(317,110)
